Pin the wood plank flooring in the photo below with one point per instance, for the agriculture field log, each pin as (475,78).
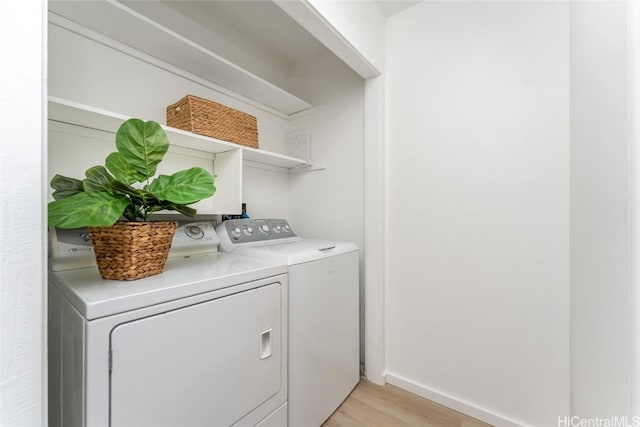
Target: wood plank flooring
(372,405)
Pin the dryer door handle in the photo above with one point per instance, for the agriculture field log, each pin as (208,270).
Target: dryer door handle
(265,344)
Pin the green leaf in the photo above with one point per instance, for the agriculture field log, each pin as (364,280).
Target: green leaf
(65,187)
(98,180)
(127,190)
(184,187)
(122,170)
(158,185)
(86,209)
(142,145)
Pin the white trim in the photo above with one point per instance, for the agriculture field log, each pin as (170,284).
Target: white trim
(305,14)
(452,402)
(374,230)
(44,232)
(633,25)
(44,241)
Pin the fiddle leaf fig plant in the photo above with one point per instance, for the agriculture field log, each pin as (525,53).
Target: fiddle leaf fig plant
(108,193)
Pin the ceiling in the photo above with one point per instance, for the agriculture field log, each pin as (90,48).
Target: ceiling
(254,34)
(391,7)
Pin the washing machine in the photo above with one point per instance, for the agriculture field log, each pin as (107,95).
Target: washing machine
(323,311)
(202,344)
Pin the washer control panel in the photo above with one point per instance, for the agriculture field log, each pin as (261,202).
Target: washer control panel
(70,249)
(241,231)
(194,237)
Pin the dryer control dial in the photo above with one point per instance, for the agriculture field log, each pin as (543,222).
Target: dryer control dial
(194,232)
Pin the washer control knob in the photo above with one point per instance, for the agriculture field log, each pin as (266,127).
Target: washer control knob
(264,228)
(277,228)
(194,232)
(286,228)
(248,231)
(236,231)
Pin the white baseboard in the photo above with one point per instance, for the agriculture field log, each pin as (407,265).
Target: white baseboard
(452,402)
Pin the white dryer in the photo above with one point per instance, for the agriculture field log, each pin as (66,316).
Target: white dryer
(204,343)
(324,362)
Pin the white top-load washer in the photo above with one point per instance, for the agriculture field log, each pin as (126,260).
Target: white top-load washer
(323,312)
(204,343)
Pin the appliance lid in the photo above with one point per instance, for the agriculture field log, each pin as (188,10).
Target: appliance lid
(95,297)
(298,252)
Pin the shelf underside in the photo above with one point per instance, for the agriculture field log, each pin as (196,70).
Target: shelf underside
(131,28)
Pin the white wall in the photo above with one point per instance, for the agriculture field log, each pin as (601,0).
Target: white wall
(84,71)
(600,227)
(22,242)
(633,20)
(328,204)
(265,191)
(478,188)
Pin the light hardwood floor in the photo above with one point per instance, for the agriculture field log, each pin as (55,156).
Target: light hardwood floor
(372,405)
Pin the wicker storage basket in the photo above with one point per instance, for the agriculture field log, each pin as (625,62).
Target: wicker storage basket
(132,250)
(209,118)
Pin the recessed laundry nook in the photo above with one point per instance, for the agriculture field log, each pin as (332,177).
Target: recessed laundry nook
(305,213)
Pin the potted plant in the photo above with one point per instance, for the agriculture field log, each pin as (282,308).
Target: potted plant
(136,248)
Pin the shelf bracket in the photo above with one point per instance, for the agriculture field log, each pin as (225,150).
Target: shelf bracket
(307,167)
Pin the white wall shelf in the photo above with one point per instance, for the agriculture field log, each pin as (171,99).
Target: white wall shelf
(125,25)
(65,111)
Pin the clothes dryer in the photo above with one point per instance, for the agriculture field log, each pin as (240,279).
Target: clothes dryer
(204,343)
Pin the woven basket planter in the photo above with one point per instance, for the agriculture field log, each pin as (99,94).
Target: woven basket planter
(215,120)
(132,250)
